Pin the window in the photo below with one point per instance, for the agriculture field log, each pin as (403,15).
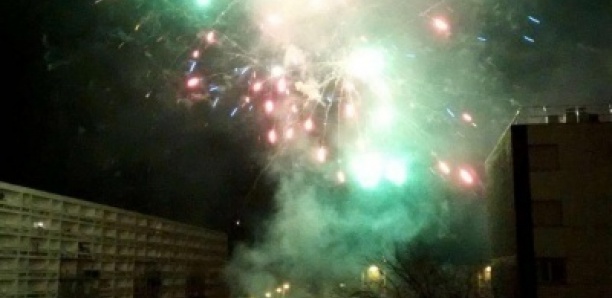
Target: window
(547,213)
(84,248)
(35,244)
(551,270)
(543,158)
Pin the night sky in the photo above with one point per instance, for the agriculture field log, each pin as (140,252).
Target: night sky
(64,134)
(73,120)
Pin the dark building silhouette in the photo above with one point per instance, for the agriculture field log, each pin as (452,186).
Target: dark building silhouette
(550,205)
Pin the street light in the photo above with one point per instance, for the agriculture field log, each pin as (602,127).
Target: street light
(373,273)
(283,290)
(373,279)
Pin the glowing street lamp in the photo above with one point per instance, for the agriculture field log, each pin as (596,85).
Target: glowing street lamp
(283,289)
(373,273)
(373,278)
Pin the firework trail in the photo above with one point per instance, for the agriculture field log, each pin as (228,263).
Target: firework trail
(366,109)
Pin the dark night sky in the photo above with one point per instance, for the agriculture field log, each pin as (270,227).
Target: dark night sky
(62,134)
(59,136)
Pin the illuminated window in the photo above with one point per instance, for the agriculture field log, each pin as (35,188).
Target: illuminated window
(543,157)
(547,213)
(486,276)
(551,270)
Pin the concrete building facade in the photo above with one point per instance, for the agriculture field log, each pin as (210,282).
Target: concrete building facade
(55,246)
(549,192)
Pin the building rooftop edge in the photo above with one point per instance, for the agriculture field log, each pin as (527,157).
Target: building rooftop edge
(19,188)
(555,115)
(568,114)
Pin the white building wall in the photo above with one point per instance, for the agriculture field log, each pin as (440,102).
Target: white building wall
(46,238)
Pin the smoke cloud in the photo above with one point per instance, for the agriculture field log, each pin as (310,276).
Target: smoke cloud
(322,236)
(326,233)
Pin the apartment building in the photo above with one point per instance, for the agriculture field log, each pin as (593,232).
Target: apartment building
(55,246)
(549,193)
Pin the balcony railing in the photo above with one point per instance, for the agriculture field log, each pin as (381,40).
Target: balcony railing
(564,114)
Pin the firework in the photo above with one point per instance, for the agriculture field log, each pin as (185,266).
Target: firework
(325,87)
(361,93)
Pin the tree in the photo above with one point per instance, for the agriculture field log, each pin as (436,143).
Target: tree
(414,271)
